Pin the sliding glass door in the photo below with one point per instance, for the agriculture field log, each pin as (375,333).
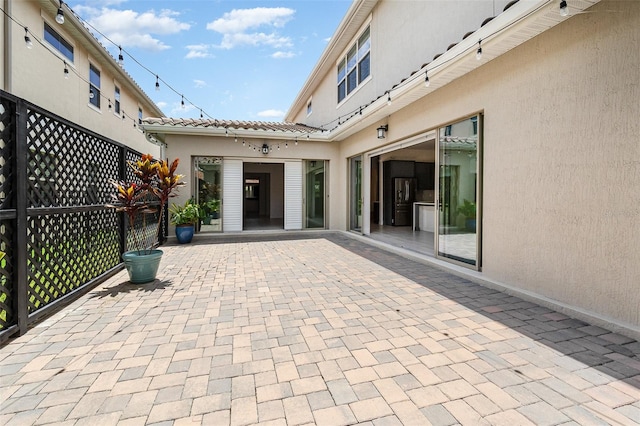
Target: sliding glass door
(355,194)
(459,186)
(314,194)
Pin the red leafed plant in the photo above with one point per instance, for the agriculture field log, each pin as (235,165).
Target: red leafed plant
(158,182)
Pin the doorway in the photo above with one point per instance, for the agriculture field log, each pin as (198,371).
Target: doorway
(263,196)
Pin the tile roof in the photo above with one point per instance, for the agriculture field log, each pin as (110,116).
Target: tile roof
(232,124)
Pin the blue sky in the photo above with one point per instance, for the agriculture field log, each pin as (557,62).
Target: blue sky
(243,60)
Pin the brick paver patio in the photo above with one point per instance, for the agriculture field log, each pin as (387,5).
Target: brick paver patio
(321,330)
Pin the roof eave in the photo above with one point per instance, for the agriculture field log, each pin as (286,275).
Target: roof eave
(520,23)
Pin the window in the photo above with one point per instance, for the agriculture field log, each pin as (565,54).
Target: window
(94,86)
(309,107)
(139,115)
(355,67)
(56,40)
(116,96)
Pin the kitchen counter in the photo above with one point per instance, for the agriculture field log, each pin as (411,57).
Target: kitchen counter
(424,216)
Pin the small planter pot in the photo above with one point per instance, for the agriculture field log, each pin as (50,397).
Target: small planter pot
(184,233)
(142,267)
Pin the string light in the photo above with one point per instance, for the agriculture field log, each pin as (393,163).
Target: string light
(564,10)
(109,104)
(66,71)
(479,51)
(388,98)
(60,15)
(426,78)
(27,39)
(201,114)
(157,84)
(120,57)
(182,102)
(235,139)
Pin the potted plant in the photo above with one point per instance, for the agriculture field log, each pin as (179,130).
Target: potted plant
(468,210)
(213,207)
(157,182)
(185,218)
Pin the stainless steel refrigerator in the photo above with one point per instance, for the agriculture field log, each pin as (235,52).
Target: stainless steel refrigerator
(404,195)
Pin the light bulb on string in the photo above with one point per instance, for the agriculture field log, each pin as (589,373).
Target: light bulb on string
(60,15)
(388,98)
(27,39)
(201,116)
(157,84)
(235,139)
(182,102)
(109,104)
(427,83)
(286,144)
(120,57)
(66,71)
(91,94)
(479,51)
(564,10)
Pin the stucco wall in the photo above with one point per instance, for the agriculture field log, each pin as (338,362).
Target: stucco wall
(186,147)
(561,160)
(37,75)
(397,37)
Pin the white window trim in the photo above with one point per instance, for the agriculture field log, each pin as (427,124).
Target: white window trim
(66,37)
(116,85)
(343,55)
(92,63)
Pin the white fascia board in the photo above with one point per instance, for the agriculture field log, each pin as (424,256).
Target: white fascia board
(527,17)
(168,129)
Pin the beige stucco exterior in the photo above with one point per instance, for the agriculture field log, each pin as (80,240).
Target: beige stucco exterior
(561,190)
(37,75)
(560,193)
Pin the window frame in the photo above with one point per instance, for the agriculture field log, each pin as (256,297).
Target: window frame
(58,40)
(117,96)
(349,67)
(95,101)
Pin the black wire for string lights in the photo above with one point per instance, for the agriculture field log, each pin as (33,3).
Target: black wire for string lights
(121,59)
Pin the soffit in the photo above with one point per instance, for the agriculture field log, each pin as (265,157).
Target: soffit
(521,22)
(355,17)
(83,36)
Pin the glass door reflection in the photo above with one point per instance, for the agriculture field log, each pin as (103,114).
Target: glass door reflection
(457,237)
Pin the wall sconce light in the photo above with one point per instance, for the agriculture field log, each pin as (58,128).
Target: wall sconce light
(265,148)
(382,130)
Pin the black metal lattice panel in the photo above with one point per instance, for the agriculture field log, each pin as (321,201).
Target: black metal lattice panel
(65,251)
(7,288)
(67,166)
(7,138)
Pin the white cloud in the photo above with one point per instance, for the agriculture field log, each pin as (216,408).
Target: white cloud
(235,27)
(271,113)
(198,51)
(128,28)
(230,41)
(199,83)
(178,111)
(283,55)
(240,20)
(161,104)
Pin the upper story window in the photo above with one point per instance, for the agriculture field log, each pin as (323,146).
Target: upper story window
(116,95)
(94,86)
(355,67)
(59,43)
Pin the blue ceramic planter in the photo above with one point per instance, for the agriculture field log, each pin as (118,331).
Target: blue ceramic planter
(184,233)
(143,267)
